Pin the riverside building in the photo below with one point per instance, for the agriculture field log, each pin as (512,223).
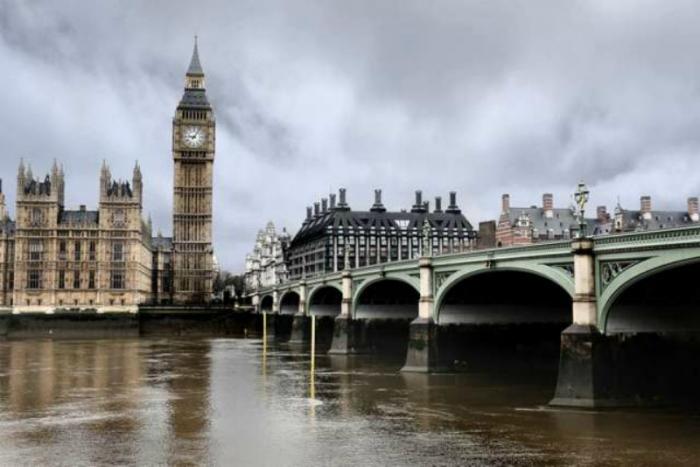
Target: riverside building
(265,266)
(334,237)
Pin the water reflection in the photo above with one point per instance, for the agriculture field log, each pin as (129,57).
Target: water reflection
(252,402)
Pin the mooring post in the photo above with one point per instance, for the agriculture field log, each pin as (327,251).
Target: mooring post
(343,329)
(422,353)
(583,364)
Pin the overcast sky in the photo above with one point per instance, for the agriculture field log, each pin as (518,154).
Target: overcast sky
(480,97)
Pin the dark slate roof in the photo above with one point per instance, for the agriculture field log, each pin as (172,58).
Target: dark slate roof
(165,243)
(79,217)
(359,220)
(194,99)
(562,219)
(633,220)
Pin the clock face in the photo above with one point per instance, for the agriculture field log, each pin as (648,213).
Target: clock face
(193,136)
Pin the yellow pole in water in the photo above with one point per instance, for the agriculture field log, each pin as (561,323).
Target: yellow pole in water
(264,327)
(312,373)
(264,349)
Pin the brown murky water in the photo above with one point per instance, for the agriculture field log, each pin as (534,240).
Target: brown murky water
(236,402)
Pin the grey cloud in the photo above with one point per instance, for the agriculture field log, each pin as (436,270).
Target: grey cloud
(478,97)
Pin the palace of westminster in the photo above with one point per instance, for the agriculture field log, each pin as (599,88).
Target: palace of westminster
(52,258)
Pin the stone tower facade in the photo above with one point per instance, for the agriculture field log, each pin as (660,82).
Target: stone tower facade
(193,154)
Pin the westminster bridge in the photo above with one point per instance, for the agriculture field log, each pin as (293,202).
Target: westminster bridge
(621,311)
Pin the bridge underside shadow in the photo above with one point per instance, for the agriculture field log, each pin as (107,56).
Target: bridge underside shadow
(504,320)
(287,325)
(382,318)
(324,306)
(650,351)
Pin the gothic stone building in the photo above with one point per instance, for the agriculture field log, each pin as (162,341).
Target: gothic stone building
(80,258)
(53,258)
(332,232)
(265,265)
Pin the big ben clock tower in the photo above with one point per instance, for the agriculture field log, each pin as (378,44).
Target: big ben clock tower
(193,155)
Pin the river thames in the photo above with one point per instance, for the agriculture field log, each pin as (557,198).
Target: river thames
(239,402)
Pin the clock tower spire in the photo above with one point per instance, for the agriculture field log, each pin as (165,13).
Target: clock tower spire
(193,155)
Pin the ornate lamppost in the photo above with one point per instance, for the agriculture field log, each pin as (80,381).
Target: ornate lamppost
(581,198)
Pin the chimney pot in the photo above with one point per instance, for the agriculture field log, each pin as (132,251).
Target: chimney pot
(377,196)
(308,212)
(602,214)
(324,205)
(548,204)
(693,209)
(645,206)
(505,202)
(317,209)
(332,199)
(342,202)
(438,204)
(419,197)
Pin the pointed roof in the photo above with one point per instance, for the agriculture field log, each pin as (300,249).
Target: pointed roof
(195,68)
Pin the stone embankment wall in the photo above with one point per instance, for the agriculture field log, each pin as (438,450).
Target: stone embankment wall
(151,321)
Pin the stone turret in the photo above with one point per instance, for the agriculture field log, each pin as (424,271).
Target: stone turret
(3,207)
(137,182)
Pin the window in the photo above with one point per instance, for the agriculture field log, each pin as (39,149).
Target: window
(37,217)
(119,218)
(117,280)
(118,251)
(93,250)
(36,248)
(77,251)
(33,279)
(76,279)
(61,279)
(62,250)
(91,280)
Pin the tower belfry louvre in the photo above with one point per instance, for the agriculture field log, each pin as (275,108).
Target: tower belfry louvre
(193,155)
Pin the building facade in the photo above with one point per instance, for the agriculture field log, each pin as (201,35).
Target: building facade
(74,259)
(265,265)
(527,225)
(193,143)
(334,237)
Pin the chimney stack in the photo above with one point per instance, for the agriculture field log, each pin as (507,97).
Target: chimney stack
(324,205)
(377,206)
(505,203)
(548,205)
(693,211)
(308,212)
(342,204)
(317,209)
(602,214)
(418,206)
(332,198)
(645,207)
(453,208)
(438,204)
